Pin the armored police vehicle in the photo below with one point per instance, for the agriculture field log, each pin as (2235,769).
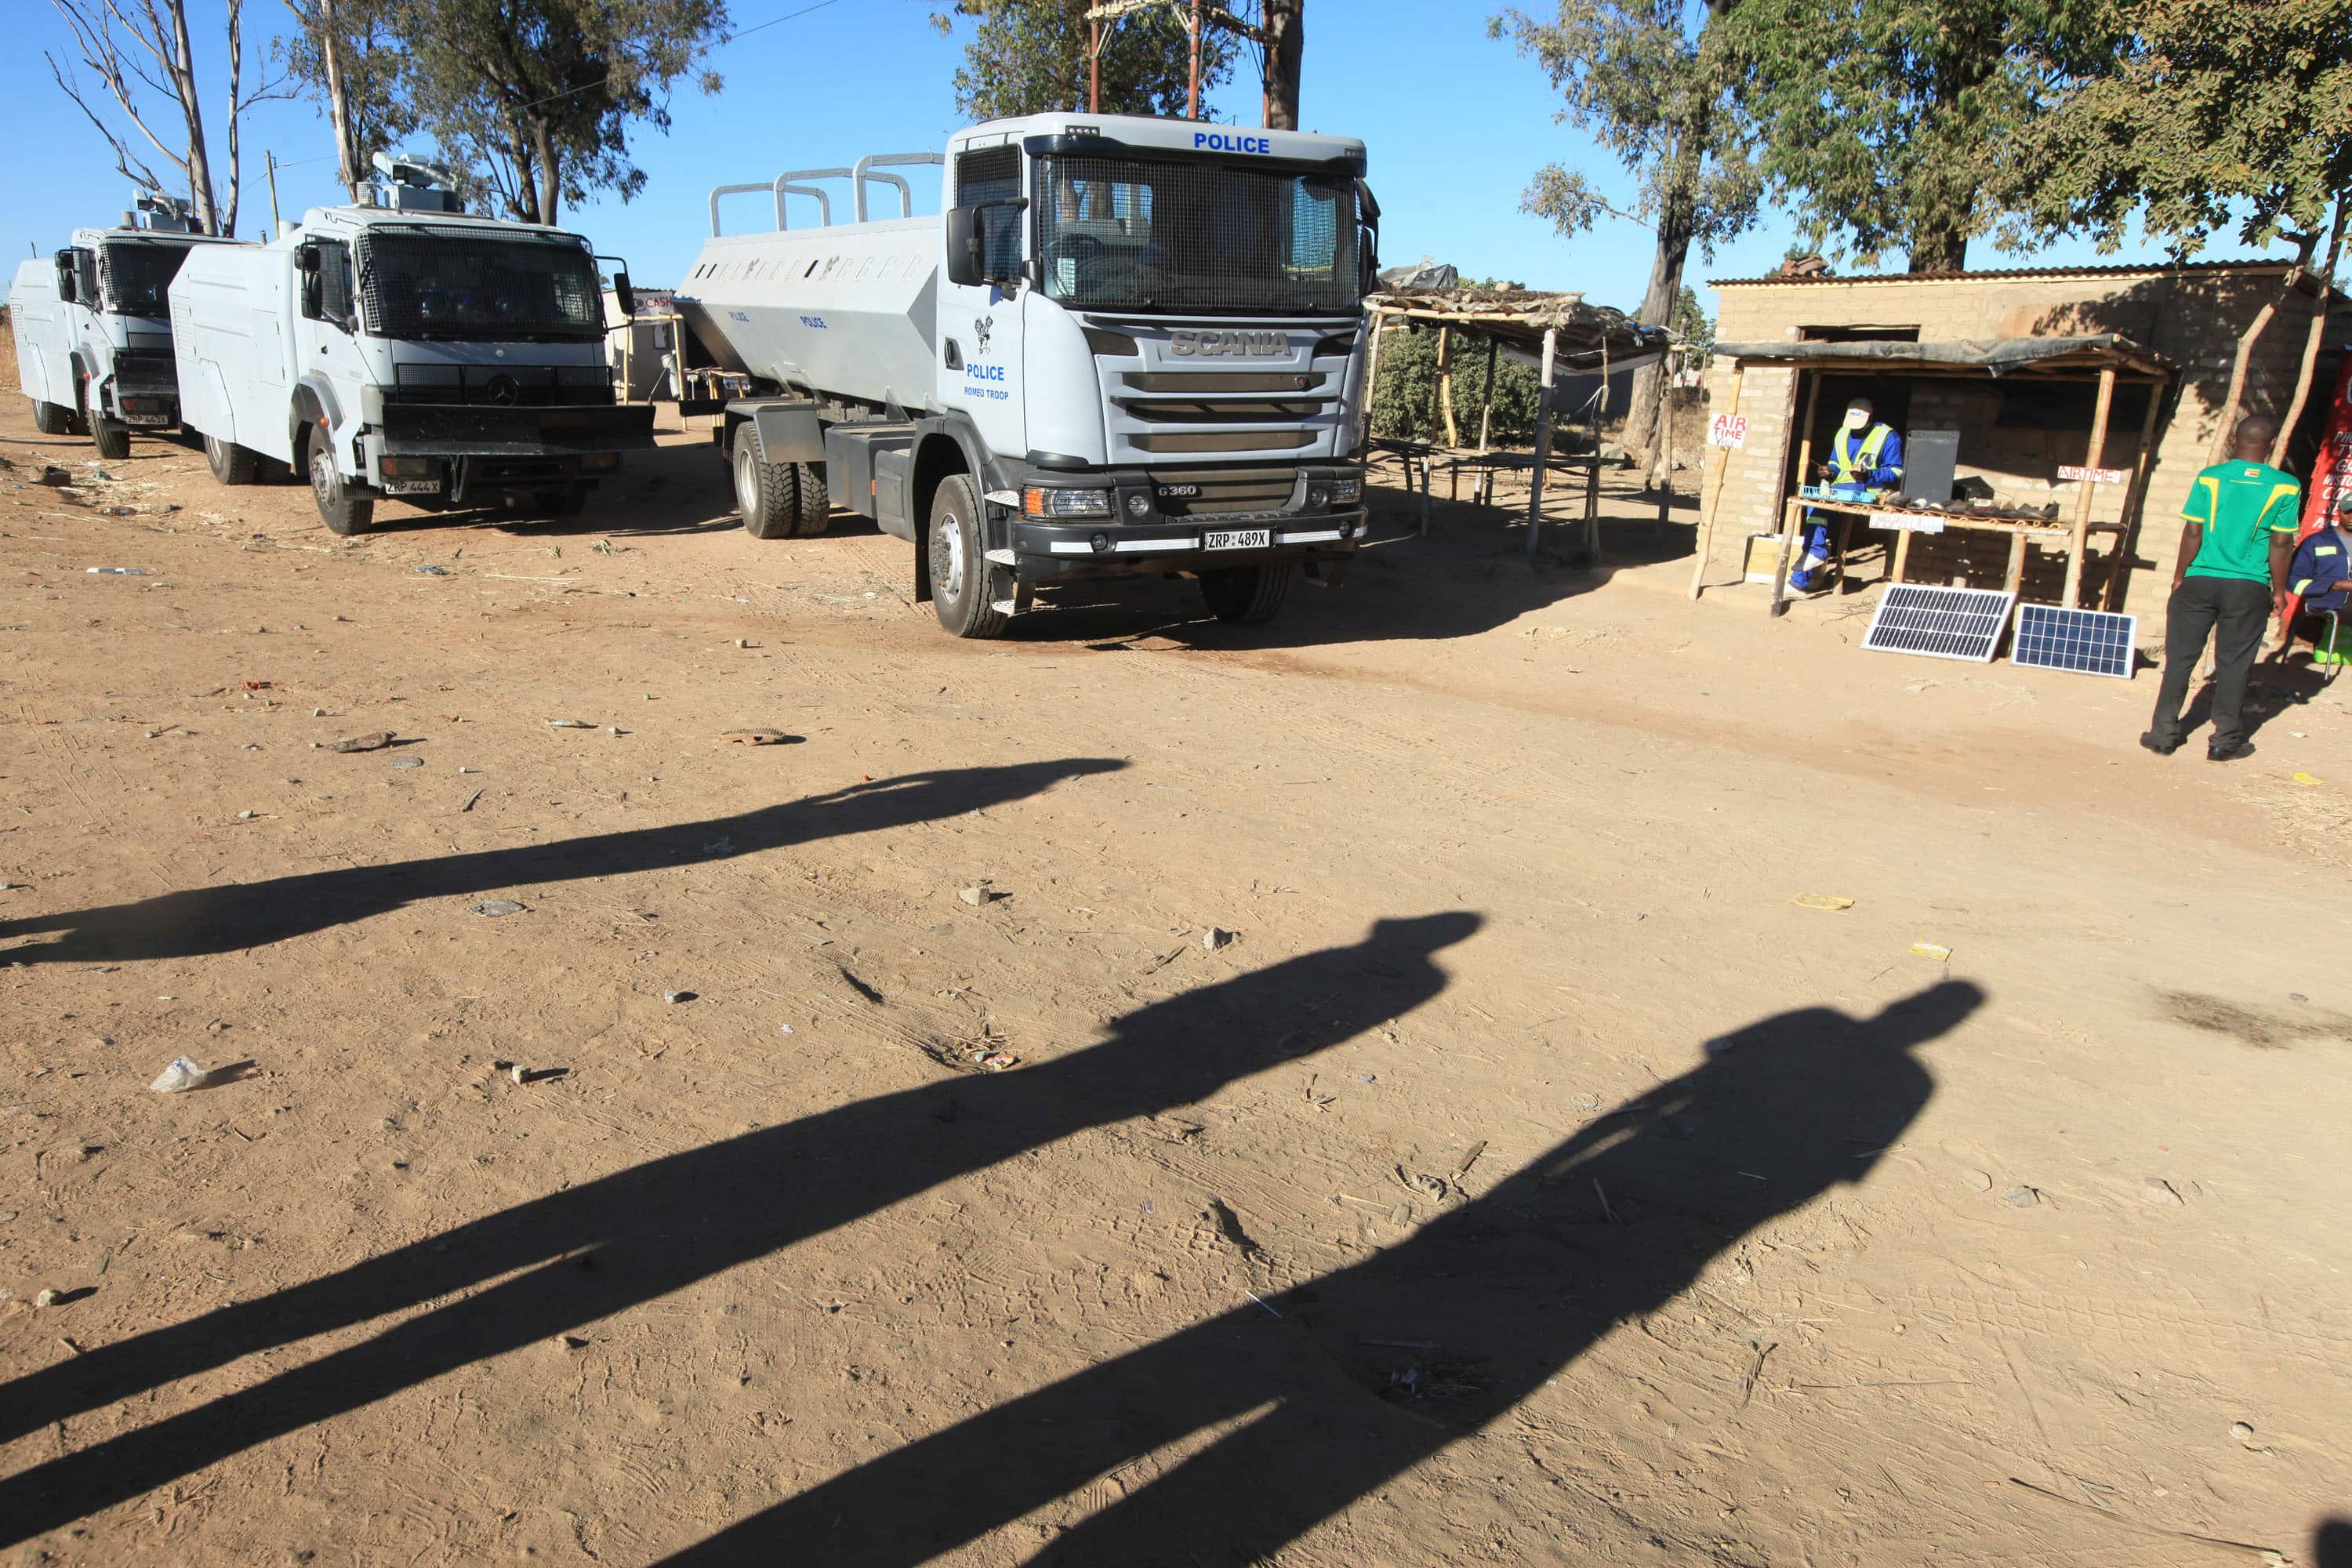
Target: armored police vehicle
(402,348)
(1127,346)
(94,329)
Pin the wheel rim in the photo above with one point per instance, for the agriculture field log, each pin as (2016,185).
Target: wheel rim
(746,481)
(947,557)
(323,477)
(213,455)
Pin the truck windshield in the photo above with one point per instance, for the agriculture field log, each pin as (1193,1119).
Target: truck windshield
(1194,235)
(453,283)
(137,275)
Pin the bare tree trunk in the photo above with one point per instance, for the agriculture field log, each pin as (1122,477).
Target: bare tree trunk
(2311,345)
(1676,218)
(1941,246)
(236,66)
(1285,55)
(181,66)
(550,175)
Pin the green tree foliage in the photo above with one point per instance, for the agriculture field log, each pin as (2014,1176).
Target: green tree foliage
(1879,121)
(1645,80)
(2191,115)
(1404,400)
(346,56)
(536,99)
(1029,56)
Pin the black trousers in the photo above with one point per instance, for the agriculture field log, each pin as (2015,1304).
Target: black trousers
(2233,612)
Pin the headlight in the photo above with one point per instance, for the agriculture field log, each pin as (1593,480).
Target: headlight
(1319,497)
(1055,505)
(1347,493)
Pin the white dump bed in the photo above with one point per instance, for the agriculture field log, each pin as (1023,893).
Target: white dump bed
(850,308)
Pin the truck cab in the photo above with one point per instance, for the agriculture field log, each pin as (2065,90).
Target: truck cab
(1127,346)
(94,329)
(409,350)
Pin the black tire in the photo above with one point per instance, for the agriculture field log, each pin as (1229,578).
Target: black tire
(767,494)
(110,436)
(50,419)
(568,502)
(230,463)
(815,508)
(343,512)
(1247,595)
(961,579)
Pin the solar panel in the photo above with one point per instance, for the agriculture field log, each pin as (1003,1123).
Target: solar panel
(1941,622)
(2089,642)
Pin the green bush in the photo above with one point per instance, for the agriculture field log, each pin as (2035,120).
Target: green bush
(1404,402)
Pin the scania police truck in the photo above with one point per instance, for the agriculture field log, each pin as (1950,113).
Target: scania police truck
(404,348)
(94,329)
(1127,346)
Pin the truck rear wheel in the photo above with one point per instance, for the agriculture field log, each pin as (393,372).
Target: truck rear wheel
(815,509)
(230,463)
(343,512)
(960,569)
(1247,595)
(767,494)
(110,436)
(50,419)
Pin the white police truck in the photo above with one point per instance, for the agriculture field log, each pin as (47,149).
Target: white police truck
(92,326)
(403,348)
(1127,346)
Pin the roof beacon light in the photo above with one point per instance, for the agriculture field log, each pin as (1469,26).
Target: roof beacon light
(410,185)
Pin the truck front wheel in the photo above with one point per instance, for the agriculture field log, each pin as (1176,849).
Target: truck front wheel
(341,512)
(1246,596)
(230,463)
(959,570)
(110,436)
(767,494)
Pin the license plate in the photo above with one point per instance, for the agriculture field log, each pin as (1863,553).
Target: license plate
(1239,539)
(411,487)
(146,419)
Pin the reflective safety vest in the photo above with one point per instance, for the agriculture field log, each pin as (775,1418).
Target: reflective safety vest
(1845,469)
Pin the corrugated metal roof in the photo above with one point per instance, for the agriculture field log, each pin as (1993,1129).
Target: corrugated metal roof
(2150,268)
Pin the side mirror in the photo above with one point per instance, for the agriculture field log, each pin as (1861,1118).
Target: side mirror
(971,230)
(64,276)
(623,295)
(306,259)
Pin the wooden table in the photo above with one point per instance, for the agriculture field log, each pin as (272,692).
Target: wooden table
(1907,520)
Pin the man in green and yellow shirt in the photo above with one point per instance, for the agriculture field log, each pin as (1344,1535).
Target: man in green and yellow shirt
(2237,534)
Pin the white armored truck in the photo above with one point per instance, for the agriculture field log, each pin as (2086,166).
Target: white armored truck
(404,349)
(1127,346)
(94,329)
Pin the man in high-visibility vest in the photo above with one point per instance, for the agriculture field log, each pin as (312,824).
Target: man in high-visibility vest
(1865,457)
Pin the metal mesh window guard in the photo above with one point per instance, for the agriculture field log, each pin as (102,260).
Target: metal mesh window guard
(138,277)
(993,175)
(424,284)
(1196,235)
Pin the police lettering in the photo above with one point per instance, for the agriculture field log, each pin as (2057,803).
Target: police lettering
(1218,141)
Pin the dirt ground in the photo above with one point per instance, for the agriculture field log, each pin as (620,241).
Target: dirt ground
(1528,1180)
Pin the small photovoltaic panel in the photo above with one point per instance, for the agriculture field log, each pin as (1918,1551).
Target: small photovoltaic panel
(1941,622)
(2089,642)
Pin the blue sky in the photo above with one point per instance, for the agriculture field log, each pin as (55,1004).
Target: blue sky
(1456,124)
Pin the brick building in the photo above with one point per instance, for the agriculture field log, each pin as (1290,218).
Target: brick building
(2015,434)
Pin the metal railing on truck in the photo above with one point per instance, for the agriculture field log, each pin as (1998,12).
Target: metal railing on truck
(867,170)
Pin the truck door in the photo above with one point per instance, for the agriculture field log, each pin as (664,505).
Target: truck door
(980,326)
(323,346)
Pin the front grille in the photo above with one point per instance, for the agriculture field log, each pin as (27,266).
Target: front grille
(502,386)
(1223,491)
(145,369)
(1239,441)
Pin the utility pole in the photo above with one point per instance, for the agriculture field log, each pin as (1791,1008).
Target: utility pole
(272,159)
(1193,95)
(1094,64)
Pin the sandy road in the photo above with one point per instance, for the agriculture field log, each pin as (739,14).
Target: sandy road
(1531,1181)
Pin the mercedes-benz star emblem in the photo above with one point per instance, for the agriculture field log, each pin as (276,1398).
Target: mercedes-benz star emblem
(501,389)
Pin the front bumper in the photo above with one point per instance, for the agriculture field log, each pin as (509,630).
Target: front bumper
(477,451)
(1049,550)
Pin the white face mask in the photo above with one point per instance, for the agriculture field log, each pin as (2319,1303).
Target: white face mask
(1855,419)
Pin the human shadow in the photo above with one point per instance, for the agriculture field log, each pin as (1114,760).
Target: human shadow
(553,1264)
(1499,1294)
(200,920)
(2331,1544)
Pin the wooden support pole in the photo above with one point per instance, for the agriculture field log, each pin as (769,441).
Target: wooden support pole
(2014,578)
(1372,372)
(1192,96)
(1445,385)
(1424,497)
(2076,545)
(1793,517)
(1592,482)
(1485,488)
(1714,505)
(1543,438)
(2127,525)
(1902,556)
